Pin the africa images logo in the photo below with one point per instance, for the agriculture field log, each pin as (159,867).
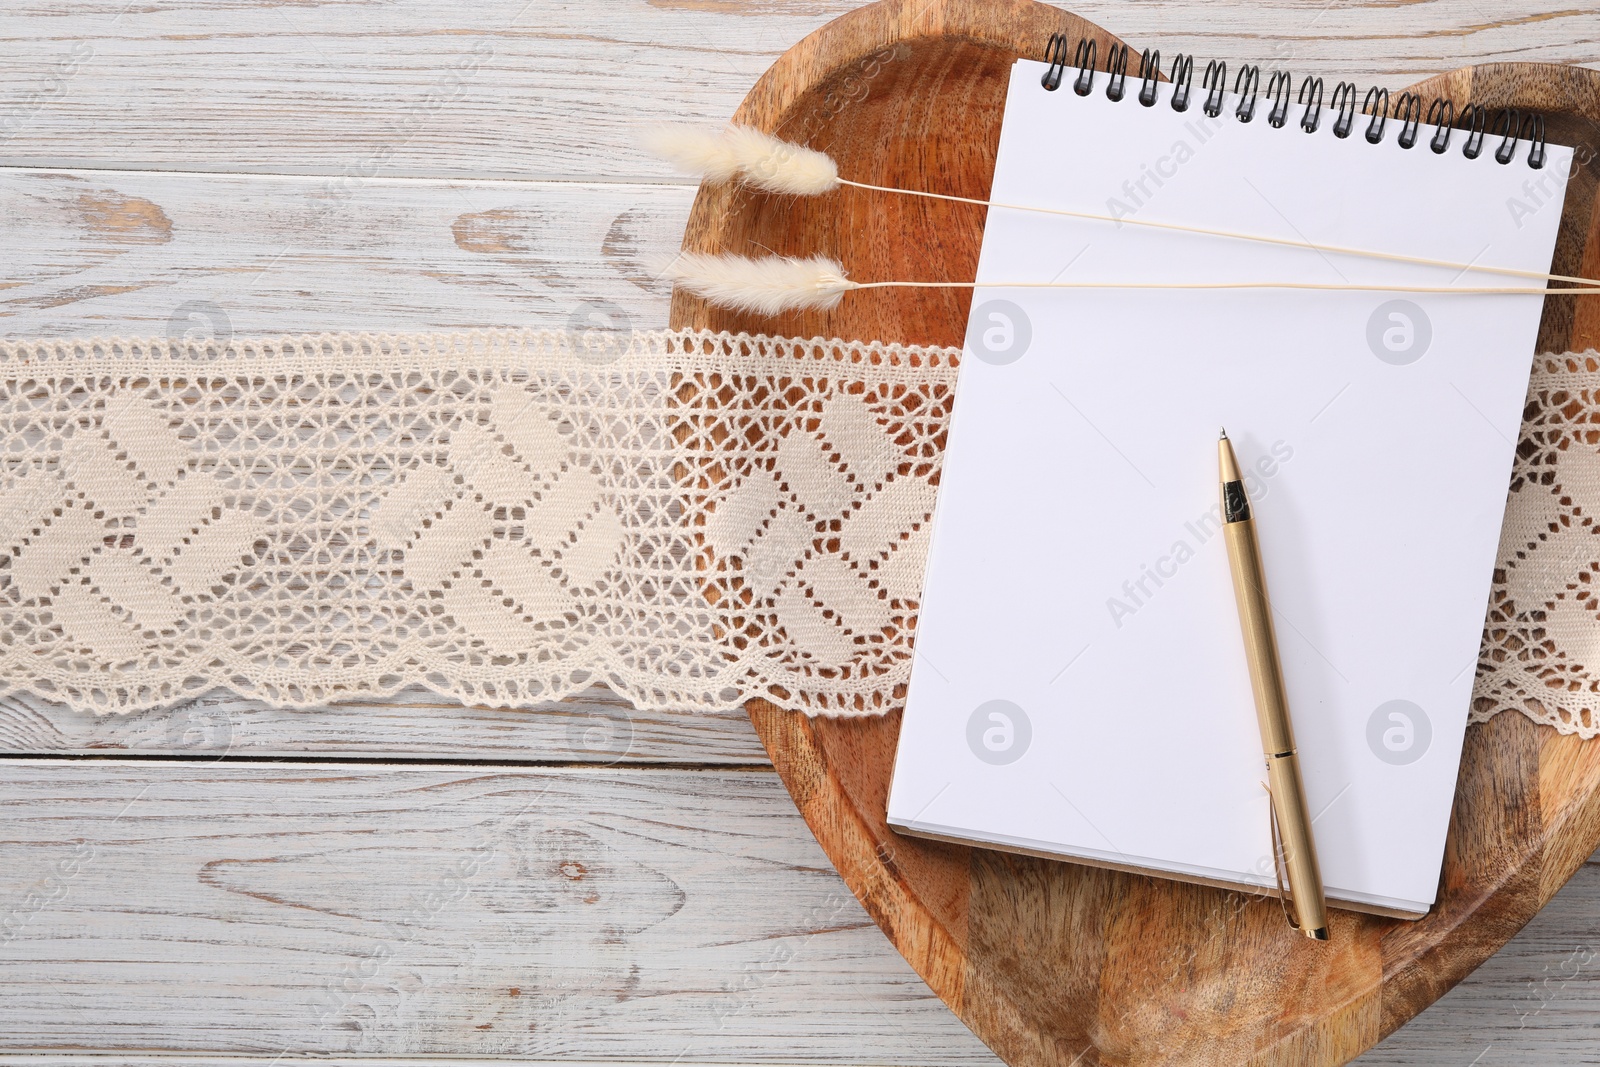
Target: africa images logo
(999,332)
(1399,332)
(1398,732)
(998,732)
(1138,591)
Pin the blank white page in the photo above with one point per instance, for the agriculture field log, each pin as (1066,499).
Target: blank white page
(1075,574)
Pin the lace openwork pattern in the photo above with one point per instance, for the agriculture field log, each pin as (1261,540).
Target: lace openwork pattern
(1541,642)
(507,517)
(502,516)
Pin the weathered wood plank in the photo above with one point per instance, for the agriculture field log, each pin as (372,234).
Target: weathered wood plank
(393,911)
(596,727)
(131,253)
(565,914)
(512,88)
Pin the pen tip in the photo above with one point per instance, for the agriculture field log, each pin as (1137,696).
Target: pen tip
(1224,433)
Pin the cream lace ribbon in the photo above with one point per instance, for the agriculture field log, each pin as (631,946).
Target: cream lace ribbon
(1541,641)
(503,516)
(507,517)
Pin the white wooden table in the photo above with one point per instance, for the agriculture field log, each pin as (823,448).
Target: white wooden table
(227,883)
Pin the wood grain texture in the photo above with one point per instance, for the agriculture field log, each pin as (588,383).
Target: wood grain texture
(234,913)
(597,727)
(96,252)
(1054,963)
(382,911)
(545,89)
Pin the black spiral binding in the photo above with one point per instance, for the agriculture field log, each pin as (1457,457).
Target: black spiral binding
(1248,81)
(1343,108)
(1149,72)
(1510,127)
(1278,92)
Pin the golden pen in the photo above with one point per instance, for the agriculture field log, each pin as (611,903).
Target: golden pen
(1291,818)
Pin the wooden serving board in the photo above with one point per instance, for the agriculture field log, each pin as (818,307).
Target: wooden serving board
(1052,962)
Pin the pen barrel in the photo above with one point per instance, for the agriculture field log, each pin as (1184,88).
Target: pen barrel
(1277,737)
(1260,639)
(1299,850)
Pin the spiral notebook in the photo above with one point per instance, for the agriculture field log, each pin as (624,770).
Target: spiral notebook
(1079,687)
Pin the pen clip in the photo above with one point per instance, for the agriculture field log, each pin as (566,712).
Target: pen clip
(1279,861)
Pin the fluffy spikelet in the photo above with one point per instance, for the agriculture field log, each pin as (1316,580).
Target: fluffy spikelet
(747,154)
(693,150)
(767,285)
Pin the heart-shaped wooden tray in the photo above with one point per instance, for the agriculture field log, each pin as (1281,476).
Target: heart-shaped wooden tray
(1050,962)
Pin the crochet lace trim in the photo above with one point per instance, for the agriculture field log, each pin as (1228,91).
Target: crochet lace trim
(1541,641)
(507,517)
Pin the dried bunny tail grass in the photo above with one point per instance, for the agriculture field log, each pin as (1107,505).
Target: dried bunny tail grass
(767,285)
(761,160)
(773,284)
(747,154)
(692,150)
